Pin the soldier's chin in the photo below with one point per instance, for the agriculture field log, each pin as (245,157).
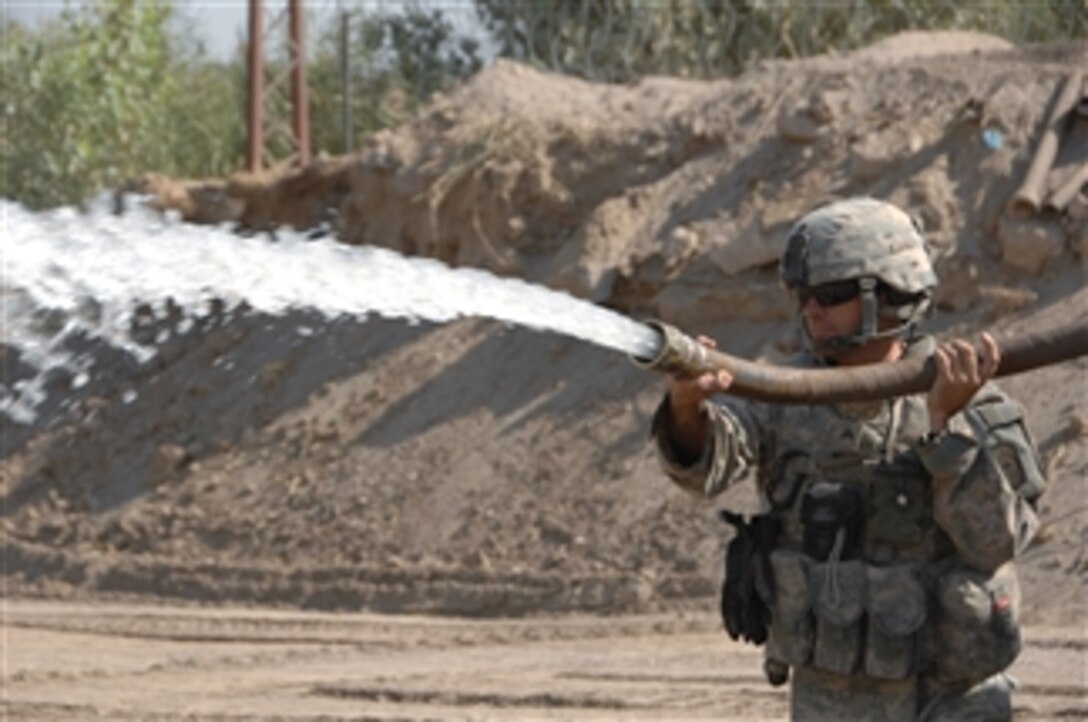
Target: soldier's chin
(831,347)
(821,339)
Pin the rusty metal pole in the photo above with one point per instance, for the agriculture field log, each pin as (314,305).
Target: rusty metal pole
(345,82)
(1029,198)
(255,147)
(300,104)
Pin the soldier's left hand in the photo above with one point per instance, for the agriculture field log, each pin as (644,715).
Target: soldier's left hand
(961,372)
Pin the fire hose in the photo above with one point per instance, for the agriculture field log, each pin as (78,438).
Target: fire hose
(681,355)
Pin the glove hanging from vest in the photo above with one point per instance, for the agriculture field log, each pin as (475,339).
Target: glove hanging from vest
(748,567)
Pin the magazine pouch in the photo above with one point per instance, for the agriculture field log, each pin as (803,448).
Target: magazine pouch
(897,611)
(790,638)
(837,589)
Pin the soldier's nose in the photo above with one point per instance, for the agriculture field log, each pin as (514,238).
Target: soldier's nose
(810,307)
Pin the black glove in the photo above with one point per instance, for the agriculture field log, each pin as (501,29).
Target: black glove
(747,559)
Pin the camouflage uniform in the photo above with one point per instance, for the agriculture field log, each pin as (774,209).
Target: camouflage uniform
(916,618)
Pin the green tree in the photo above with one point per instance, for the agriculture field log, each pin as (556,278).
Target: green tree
(106,93)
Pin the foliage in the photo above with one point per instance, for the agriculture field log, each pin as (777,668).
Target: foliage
(618,40)
(115,88)
(104,94)
(396,61)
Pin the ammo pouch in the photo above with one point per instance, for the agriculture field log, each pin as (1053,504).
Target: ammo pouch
(976,631)
(847,617)
(833,516)
(748,581)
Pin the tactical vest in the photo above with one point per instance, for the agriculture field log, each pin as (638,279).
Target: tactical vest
(863,581)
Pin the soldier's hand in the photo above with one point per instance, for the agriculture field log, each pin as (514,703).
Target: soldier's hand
(961,372)
(687,394)
(688,424)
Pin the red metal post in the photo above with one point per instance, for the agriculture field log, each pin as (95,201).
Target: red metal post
(255,147)
(263,96)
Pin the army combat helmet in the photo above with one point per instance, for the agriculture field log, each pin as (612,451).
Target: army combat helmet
(874,244)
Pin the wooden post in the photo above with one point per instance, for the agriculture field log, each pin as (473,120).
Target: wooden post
(300,104)
(345,82)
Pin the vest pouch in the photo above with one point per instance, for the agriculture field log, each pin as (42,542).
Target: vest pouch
(977,630)
(833,518)
(897,611)
(899,509)
(1011,448)
(838,601)
(790,638)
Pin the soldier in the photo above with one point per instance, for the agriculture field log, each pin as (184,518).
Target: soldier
(888,579)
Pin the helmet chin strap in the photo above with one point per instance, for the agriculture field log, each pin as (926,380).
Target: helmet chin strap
(867,331)
(869,308)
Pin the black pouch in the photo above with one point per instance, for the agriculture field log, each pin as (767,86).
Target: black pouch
(830,511)
(748,576)
(900,503)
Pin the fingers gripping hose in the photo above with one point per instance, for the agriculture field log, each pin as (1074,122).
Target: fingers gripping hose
(681,355)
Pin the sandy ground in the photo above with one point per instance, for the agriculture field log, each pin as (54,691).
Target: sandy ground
(79,661)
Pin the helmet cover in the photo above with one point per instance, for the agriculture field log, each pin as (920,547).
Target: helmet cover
(858,238)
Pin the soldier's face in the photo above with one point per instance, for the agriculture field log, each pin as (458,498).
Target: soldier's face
(827,322)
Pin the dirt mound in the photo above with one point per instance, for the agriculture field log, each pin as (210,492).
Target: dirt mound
(912,45)
(475,469)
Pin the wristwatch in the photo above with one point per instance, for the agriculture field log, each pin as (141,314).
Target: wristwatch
(931,438)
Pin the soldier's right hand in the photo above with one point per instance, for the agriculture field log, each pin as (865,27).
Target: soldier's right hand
(686,395)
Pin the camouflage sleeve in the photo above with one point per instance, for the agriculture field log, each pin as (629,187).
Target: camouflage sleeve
(730,452)
(987,476)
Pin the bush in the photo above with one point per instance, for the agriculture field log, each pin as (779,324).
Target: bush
(619,40)
(106,93)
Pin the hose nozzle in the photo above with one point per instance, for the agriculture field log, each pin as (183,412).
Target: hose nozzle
(677,354)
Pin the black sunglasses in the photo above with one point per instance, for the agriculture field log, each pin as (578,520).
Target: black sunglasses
(829,294)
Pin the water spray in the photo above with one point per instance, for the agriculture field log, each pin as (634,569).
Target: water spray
(85,276)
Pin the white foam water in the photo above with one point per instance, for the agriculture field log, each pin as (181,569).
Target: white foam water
(67,273)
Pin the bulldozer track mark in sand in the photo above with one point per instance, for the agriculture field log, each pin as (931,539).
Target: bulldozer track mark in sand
(1044,690)
(739,679)
(469,699)
(1077,644)
(1023,713)
(83,661)
(77,713)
